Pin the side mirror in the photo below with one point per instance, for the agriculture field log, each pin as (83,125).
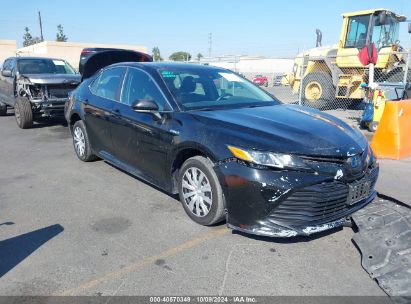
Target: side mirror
(6,73)
(382,18)
(144,105)
(409,28)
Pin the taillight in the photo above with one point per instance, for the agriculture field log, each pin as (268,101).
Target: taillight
(85,53)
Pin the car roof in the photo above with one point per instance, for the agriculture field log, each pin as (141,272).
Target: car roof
(30,57)
(165,65)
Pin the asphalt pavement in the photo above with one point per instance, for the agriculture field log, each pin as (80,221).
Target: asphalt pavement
(74,228)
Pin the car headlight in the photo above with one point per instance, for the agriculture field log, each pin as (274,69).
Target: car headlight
(269,159)
(370,159)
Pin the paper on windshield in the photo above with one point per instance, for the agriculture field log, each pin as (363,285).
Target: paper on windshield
(231,77)
(59,62)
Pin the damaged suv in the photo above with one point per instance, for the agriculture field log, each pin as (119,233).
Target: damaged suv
(35,88)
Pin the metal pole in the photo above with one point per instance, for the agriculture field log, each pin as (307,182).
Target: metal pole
(407,66)
(300,95)
(371,74)
(41,28)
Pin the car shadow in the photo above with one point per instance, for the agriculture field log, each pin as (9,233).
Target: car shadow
(14,250)
(174,196)
(50,122)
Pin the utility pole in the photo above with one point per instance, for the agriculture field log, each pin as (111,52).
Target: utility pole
(210,43)
(41,28)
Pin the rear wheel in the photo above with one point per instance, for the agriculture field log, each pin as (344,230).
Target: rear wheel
(3,109)
(81,142)
(318,90)
(23,113)
(200,191)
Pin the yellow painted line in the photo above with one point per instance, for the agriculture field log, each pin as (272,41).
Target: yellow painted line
(146,261)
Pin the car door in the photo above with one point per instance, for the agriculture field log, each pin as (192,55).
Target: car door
(7,83)
(98,109)
(141,140)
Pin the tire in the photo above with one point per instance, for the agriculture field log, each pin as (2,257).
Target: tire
(363,125)
(202,211)
(81,142)
(372,127)
(23,113)
(3,109)
(318,90)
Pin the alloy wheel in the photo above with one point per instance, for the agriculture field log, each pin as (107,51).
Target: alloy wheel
(197,192)
(79,141)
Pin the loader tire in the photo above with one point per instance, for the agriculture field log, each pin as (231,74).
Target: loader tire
(318,91)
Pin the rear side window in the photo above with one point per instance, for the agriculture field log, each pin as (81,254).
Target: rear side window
(139,85)
(107,85)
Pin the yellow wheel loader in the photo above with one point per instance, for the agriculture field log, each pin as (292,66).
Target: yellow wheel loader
(327,75)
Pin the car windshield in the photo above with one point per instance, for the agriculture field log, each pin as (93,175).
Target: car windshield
(44,66)
(212,89)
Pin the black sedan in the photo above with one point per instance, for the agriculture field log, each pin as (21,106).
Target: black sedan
(230,150)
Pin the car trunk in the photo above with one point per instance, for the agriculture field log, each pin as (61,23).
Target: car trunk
(102,59)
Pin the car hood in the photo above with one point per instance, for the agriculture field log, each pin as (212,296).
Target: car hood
(53,78)
(286,129)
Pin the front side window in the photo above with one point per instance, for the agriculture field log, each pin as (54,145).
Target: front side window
(139,85)
(207,88)
(384,35)
(44,66)
(357,31)
(107,85)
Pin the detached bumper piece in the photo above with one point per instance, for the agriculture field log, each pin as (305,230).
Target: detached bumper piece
(384,239)
(288,203)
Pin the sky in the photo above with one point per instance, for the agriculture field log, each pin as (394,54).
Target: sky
(239,27)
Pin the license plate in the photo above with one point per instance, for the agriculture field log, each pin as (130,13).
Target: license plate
(358,191)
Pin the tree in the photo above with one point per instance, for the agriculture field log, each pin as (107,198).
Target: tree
(28,39)
(156,54)
(199,56)
(60,36)
(180,56)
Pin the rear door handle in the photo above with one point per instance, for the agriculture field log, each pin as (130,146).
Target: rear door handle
(85,101)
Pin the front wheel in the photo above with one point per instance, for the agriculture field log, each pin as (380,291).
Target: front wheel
(200,191)
(372,127)
(81,142)
(23,113)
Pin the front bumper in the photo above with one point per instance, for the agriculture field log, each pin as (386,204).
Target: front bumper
(50,107)
(286,203)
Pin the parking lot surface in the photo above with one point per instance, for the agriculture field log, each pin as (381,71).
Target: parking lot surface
(73,228)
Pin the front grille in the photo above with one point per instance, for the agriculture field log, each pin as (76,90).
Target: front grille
(316,204)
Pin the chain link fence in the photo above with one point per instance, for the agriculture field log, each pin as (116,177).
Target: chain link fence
(334,83)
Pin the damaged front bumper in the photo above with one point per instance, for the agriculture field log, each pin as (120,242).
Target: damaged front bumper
(49,107)
(279,203)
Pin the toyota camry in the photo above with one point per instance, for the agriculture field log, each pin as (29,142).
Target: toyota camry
(229,150)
